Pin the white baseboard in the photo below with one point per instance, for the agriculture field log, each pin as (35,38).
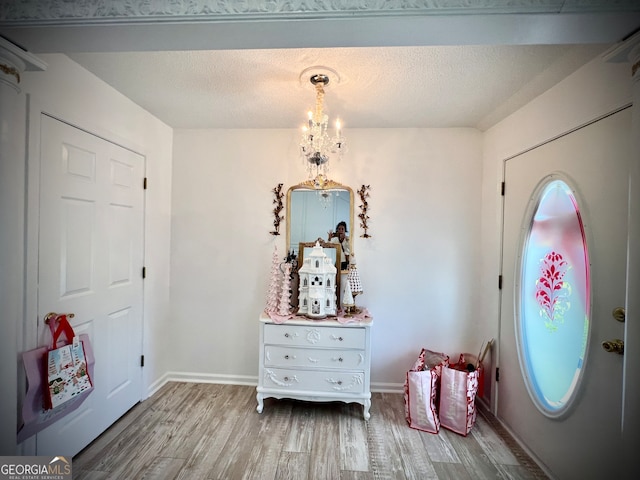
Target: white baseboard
(192,377)
(387,387)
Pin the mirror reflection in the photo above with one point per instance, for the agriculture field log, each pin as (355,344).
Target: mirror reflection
(329,249)
(312,213)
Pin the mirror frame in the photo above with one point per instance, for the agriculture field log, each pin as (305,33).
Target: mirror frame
(324,244)
(314,185)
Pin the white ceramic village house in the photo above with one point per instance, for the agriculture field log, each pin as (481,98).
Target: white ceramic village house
(317,293)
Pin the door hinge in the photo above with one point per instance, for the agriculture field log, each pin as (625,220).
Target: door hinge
(144,272)
(144,183)
(499,282)
(497,374)
(502,189)
(142,360)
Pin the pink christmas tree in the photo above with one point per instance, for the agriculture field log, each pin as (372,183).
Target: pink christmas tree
(274,284)
(284,307)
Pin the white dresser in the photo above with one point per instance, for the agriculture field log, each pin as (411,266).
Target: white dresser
(315,360)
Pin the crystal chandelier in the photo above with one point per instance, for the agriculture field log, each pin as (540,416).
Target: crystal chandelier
(316,145)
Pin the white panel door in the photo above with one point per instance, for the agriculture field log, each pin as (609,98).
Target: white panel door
(90,264)
(584,444)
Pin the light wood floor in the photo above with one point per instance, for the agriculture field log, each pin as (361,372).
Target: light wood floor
(208,431)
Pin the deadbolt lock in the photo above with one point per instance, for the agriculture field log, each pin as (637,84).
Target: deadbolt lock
(619,314)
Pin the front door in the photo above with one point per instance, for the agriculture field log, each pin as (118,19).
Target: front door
(90,263)
(582,439)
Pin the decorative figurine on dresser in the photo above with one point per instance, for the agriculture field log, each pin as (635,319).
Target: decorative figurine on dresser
(322,352)
(317,277)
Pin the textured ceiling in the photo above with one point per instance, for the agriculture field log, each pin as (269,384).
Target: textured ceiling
(226,64)
(452,86)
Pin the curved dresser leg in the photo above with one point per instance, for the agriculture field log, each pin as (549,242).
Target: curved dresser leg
(367,406)
(260,406)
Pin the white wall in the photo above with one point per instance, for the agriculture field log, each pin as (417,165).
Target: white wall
(12,205)
(74,95)
(419,270)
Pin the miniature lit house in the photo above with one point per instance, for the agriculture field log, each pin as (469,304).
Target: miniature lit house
(317,292)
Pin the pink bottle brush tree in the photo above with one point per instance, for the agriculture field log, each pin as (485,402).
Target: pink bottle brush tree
(273,294)
(284,306)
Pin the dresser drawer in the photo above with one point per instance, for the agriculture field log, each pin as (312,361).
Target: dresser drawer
(281,356)
(311,336)
(314,380)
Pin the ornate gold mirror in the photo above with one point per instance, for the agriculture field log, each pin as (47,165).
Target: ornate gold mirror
(313,210)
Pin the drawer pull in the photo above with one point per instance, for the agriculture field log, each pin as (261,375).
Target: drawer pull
(340,339)
(287,381)
(338,384)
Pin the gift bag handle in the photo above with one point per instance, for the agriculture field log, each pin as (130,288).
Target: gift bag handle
(63,325)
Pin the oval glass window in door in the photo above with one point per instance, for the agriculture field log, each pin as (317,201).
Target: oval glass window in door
(553,304)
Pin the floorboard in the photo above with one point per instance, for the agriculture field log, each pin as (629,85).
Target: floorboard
(213,432)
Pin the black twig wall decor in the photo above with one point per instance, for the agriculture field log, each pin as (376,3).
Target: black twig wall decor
(277,191)
(364,194)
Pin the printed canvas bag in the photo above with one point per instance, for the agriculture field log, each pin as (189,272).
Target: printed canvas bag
(36,416)
(67,369)
(459,386)
(421,391)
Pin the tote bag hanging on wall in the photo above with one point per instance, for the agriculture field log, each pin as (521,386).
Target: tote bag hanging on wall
(67,370)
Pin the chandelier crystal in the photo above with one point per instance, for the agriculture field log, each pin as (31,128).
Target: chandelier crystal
(316,145)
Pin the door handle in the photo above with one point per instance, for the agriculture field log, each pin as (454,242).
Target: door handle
(53,315)
(614,346)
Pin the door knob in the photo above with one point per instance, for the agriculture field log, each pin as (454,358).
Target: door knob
(614,346)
